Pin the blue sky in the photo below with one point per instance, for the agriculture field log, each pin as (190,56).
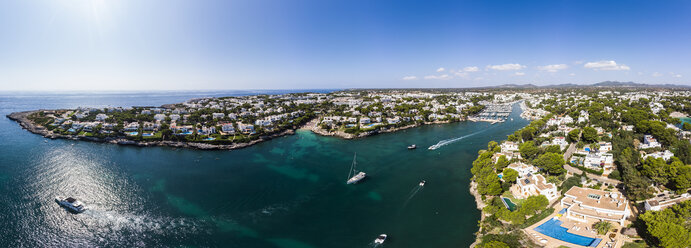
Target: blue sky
(256,44)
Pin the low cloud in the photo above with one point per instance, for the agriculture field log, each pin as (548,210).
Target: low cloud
(471,69)
(657,74)
(677,76)
(519,73)
(606,65)
(441,69)
(410,78)
(553,68)
(440,77)
(506,67)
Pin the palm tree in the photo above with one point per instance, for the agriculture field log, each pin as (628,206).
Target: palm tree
(602,227)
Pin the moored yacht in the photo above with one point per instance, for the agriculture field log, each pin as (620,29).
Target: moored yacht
(380,239)
(71,204)
(353,170)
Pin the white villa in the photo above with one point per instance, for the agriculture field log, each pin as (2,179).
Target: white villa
(666,155)
(509,146)
(523,169)
(584,203)
(534,184)
(665,200)
(649,142)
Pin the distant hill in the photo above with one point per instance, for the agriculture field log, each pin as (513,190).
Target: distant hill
(608,84)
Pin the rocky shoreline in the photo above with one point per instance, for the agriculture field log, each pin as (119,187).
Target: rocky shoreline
(25,123)
(314,127)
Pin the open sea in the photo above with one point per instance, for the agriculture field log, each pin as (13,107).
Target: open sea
(289,192)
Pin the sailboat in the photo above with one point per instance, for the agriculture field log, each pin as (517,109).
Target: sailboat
(359,175)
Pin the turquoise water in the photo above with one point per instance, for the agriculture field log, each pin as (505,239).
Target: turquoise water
(288,192)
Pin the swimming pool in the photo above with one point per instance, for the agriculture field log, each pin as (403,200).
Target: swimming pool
(554,229)
(508,204)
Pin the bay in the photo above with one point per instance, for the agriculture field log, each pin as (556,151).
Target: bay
(287,192)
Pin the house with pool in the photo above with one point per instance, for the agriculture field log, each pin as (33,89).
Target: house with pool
(584,204)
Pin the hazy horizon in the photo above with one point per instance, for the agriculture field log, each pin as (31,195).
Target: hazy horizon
(235,45)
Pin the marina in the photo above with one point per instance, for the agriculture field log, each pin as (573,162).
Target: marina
(493,113)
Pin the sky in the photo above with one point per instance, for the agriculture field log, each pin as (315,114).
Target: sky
(304,44)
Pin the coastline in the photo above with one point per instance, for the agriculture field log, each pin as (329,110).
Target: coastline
(312,125)
(25,123)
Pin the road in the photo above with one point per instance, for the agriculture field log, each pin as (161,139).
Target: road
(576,171)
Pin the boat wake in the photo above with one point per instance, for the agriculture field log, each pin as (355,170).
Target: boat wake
(449,141)
(412,194)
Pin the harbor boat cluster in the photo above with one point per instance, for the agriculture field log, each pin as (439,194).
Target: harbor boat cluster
(493,113)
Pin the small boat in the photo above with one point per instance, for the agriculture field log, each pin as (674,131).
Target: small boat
(358,175)
(71,204)
(422,183)
(380,239)
(411,147)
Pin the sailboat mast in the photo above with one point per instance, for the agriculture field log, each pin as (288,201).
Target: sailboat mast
(352,167)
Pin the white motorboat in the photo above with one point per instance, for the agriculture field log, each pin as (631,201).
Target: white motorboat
(380,239)
(353,170)
(71,204)
(411,147)
(422,183)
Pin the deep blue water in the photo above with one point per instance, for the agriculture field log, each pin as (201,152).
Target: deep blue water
(287,192)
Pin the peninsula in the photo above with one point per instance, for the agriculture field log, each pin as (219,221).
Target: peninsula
(237,122)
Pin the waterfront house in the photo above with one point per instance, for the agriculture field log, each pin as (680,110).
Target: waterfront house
(509,146)
(583,204)
(134,126)
(228,128)
(523,169)
(534,184)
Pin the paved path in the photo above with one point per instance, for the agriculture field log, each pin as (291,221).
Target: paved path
(576,171)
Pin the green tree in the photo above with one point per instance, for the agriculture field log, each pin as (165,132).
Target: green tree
(573,135)
(669,226)
(534,204)
(686,126)
(510,175)
(602,227)
(551,162)
(589,135)
(528,150)
(570,182)
(553,149)
(489,185)
(495,244)
(502,162)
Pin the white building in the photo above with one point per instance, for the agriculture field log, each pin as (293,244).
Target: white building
(535,184)
(584,203)
(649,142)
(666,155)
(665,200)
(523,169)
(509,146)
(101,117)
